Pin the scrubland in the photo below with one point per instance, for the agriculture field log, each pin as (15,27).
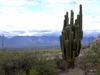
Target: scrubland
(35,63)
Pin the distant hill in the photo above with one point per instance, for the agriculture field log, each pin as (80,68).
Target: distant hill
(35,42)
(95,42)
(31,40)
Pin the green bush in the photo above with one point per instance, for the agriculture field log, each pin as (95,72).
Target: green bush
(21,63)
(88,46)
(84,47)
(97,72)
(12,61)
(61,64)
(44,67)
(93,47)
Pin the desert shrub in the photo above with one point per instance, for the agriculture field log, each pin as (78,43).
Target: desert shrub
(84,47)
(11,62)
(25,63)
(88,46)
(20,72)
(94,48)
(44,67)
(90,60)
(61,64)
(97,72)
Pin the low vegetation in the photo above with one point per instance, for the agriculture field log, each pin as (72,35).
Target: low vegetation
(90,61)
(33,63)
(22,63)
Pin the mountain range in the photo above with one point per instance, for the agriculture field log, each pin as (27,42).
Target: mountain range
(35,42)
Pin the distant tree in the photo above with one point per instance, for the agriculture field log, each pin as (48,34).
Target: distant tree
(89,40)
(92,39)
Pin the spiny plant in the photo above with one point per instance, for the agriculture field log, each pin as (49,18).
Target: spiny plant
(3,49)
(70,39)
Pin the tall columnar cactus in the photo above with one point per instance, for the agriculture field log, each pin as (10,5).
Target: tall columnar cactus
(70,40)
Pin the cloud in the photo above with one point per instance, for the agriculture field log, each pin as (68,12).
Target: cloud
(15,2)
(7,34)
(36,17)
(53,33)
(72,3)
(57,1)
(39,30)
(19,32)
(47,33)
(12,2)
(89,33)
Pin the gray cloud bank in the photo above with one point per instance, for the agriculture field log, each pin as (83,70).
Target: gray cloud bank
(89,33)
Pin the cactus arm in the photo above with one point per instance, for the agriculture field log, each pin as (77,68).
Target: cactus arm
(60,37)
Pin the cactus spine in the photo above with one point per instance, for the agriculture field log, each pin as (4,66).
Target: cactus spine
(70,40)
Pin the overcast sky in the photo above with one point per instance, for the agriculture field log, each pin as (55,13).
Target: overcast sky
(44,17)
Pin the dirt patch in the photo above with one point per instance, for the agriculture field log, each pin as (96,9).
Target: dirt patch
(75,71)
